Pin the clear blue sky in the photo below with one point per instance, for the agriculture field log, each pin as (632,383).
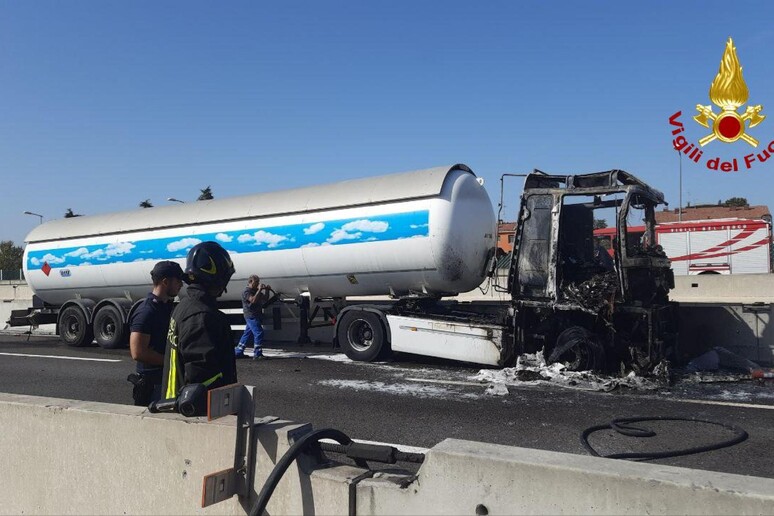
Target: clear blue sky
(104,104)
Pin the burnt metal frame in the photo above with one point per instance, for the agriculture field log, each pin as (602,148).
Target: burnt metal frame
(599,183)
(596,183)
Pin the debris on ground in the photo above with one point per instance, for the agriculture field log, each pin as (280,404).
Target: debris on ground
(720,358)
(663,371)
(532,369)
(496,389)
(714,377)
(762,374)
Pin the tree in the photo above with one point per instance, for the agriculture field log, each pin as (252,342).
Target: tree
(10,256)
(736,202)
(206,194)
(600,224)
(69,214)
(146,204)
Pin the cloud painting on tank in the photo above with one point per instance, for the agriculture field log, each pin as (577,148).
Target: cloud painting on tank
(348,231)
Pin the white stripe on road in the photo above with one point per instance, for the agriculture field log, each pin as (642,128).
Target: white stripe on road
(61,357)
(724,403)
(399,447)
(701,402)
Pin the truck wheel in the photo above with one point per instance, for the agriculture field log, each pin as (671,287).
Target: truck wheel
(74,329)
(362,336)
(109,328)
(579,350)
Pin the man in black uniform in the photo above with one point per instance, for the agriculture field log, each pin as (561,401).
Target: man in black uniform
(199,343)
(148,331)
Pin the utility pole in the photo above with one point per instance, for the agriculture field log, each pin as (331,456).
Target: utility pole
(680,200)
(680,213)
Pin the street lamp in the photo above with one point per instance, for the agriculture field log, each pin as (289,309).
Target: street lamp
(35,214)
(680,200)
(172,199)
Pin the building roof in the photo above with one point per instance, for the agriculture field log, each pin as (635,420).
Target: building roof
(506,227)
(713,212)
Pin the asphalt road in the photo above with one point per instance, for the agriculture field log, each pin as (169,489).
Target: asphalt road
(419,402)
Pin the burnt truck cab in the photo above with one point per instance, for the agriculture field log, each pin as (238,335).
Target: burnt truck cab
(587,304)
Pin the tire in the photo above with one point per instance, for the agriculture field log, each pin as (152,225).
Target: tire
(579,350)
(362,336)
(74,329)
(109,328)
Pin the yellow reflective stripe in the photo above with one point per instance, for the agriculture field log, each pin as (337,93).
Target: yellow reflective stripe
(172,378)
(207,383)
(212,270)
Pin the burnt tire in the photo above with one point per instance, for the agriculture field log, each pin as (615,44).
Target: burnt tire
(579,350)
(74,328)
(362,336)
(110,328)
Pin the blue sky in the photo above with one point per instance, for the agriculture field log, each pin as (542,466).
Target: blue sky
(104,104)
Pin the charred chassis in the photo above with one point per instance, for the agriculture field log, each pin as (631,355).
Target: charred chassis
(604,313)
(565,300)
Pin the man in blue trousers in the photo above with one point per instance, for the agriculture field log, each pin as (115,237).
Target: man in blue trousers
(253,297)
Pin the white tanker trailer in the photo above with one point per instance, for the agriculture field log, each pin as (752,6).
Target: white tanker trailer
(414,236)
(427,232)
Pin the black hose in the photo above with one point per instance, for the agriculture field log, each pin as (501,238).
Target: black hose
(352,451)
(284,463)
(622,426)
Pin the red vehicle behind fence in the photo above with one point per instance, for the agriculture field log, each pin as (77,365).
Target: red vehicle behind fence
(719,246)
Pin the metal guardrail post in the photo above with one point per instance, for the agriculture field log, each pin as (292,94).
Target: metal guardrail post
(222,485)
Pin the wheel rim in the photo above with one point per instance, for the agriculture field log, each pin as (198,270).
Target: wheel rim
(107,329)
(360,335)
(72,327)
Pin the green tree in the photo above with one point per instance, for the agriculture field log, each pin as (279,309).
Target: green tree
(146,204)
(600,224)
(69,214)
(10,256)
(206,194)
(740,202)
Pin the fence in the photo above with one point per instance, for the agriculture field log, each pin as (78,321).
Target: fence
(11,275)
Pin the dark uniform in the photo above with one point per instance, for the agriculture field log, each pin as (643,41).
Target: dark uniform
(150,318)
(199,345)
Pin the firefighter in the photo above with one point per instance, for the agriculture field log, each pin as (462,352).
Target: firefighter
(199,342)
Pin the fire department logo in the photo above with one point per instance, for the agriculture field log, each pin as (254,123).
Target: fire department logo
(728,92)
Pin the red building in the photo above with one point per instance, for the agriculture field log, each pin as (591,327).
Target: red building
(506,233)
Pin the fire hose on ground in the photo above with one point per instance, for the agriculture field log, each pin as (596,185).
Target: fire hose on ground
(623,426)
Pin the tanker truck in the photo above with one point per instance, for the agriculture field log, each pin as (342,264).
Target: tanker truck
(418,237)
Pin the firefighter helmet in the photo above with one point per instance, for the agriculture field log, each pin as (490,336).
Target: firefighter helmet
(209,264)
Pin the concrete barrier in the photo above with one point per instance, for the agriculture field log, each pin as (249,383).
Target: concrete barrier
(74,457)
(719,288)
